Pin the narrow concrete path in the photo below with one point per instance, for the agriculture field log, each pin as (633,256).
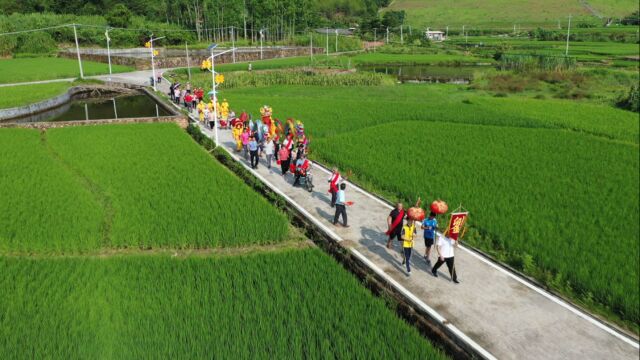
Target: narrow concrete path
(493,310)
(38,82)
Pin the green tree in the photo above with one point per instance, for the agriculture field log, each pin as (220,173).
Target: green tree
(119,16)
(393,19)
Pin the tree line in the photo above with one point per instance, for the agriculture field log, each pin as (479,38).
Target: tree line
(209,18)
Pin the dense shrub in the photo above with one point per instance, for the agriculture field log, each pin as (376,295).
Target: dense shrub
(35,43)
(631,101)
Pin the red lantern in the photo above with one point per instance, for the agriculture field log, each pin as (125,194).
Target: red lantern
(439,207)
(416,213)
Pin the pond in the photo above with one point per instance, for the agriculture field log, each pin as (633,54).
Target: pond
(426,73)
(132,106)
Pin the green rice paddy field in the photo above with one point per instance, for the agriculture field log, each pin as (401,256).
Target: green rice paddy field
(111,244)
(46,68)
(546,181)
(80,189)
(290,304)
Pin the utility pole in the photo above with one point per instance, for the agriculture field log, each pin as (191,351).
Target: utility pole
(261,44)
(401,36)
(387,34)
(186,49)
(233,44)
(375,38)
(311,45)
(75,34)
(106,34)
(566,51)
(326,30)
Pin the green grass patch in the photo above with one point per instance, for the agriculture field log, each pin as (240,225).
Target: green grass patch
(292,304)
(20,95)
(503,14)
(34,69)
(142,186)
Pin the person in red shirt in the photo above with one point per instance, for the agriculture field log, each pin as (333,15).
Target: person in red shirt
(187,101)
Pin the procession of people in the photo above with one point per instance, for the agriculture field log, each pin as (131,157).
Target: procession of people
(287,144)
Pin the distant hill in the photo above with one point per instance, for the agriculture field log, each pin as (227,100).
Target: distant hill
(506,13)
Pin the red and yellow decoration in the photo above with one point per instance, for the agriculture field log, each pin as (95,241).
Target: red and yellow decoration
(416,213)
(456,227)
(439,207)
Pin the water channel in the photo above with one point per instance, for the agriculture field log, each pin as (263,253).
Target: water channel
(426,73)
(130,106)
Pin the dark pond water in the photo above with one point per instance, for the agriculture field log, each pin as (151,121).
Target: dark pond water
(426,73)
(101,108)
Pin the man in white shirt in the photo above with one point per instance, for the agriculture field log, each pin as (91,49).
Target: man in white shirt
(269,149)
(341,209)
(444,248)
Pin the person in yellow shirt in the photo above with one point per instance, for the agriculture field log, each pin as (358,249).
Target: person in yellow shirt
(200,108)
(224,109)
(408,234)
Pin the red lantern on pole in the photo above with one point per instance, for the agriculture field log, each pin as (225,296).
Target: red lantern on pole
(416,213)
(439,207)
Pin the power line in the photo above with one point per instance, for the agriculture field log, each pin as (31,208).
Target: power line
(34,30)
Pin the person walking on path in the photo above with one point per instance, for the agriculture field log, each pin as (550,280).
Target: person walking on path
(334,182)
(341,207)
(394,224)
(408,233)
(445,247)
(284,159)
(430,226)
(244,137)
(269,148)
(253,150)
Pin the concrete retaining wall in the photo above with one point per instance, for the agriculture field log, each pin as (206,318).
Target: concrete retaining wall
(176,58)
(78,91)
(20,111)
(178,119)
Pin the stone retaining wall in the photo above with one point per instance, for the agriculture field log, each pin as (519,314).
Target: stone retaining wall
(196,57)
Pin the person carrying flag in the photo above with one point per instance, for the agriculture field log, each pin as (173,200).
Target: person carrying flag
(335,179)
(394,224)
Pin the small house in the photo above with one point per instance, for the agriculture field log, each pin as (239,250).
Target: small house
(435,35)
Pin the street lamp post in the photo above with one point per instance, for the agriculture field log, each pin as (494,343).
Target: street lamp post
(153,67)
(214,86)
(106,34)
(261,35)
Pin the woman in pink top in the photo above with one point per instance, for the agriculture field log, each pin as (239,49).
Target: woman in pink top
(283,158)
(245,142)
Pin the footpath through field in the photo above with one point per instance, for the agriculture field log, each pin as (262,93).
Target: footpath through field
(497,312)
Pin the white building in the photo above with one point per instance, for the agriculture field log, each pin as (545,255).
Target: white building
(435,35)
